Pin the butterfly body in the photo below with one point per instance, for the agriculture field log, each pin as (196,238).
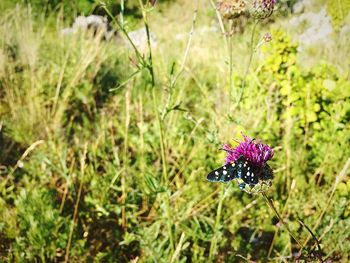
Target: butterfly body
(247,174)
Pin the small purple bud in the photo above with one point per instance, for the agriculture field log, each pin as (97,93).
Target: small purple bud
(267,37)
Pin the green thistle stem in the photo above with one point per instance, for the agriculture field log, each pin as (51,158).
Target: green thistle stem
(251,55)
(149,66)
(272,206)
(213,243)
(231,58)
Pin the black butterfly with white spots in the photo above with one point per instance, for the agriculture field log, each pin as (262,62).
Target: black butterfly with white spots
(243,171)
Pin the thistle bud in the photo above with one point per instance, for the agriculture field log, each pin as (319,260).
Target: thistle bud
(262,9)
(231,9)
(267,37)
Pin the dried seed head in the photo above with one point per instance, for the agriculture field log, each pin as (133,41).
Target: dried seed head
(262,9)
(231,9)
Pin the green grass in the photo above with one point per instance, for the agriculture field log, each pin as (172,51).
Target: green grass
(90,174)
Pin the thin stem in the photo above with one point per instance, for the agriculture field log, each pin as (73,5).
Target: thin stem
(251,55)
(160,127)
(142,141)
(59,83)
(131,77)
(272,206)
(162,147)
(125,157)
(338,179)
(24,155)
(314,238)
(231,58)
(183,64)
(283,211)
(221,23)
(76,206)
(122,28)
(165,173)
(174,80)
(150,58)
(121,12)
(213,243)
(229,46)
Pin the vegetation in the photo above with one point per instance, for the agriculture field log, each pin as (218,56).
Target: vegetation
(104,151)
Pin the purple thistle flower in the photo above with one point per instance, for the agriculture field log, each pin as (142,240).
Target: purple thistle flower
(255,151)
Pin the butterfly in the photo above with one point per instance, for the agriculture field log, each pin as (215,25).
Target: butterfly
(248,175)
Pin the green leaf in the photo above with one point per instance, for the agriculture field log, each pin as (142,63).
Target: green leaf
(338,11)
(311,116)
(329,84)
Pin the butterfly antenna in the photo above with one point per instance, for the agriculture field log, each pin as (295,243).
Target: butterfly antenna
(229,151)
(237,141)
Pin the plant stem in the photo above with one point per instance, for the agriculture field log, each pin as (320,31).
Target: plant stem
(283,211)
(122,28)
(76,206)
(165,173)
(252,51)
(122,12)
(183,64)
(160,128)
(221,23)
(231,59)
(150,58)
(125,157)
(272,206)
(338,179)
(213,243)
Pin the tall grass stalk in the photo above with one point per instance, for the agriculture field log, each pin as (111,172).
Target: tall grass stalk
(188,46)
(77,201)
(338,179)
(125,158)
(213,244)
(160,129)
(165,173)
(149,65)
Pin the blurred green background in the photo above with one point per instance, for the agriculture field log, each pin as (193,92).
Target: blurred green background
(99,164)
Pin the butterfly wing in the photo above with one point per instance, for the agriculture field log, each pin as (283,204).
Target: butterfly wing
(249,173)
(267,173)
(224,174)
